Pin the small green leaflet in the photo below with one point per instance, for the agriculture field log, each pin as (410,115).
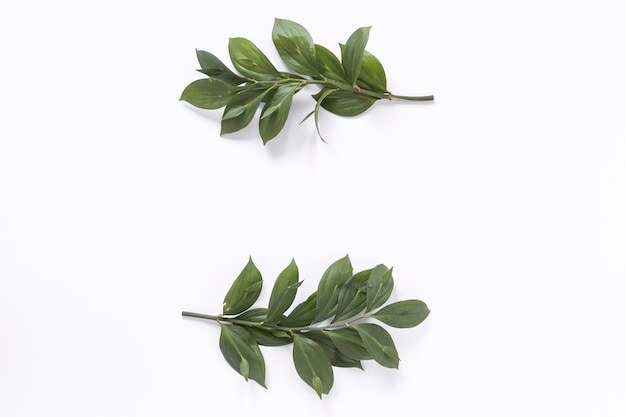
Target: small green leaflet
(330,328)
(348,85)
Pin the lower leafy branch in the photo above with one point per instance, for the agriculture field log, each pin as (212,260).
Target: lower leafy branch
(332,327)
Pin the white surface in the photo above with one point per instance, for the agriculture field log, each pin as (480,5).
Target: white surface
(501,205)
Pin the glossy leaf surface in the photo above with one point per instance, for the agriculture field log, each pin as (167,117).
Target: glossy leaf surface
(244,291)
(241,109)
(283,292)
(352,298)
(373,73)
(349,342)
(263,336)
(312,364)
(242,352)
(276,111)
(345,103)
(215,68)
(403,314)
(380,286)
(337,358)
(379,344)
(352,53)
(250,61)
(295,46)
(303,314)
(333,278)
(328,65)
(209,93)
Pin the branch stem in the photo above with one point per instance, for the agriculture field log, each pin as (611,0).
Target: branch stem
(270,326)
(342,86)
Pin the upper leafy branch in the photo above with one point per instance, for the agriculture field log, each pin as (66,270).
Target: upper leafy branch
(349,85)
(332,327)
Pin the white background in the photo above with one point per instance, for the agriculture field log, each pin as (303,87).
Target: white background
(501,205)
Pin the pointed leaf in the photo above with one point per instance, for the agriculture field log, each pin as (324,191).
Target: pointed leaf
(373,73)
(283,292)
(345,103)
(303,314)
(352,53)
(250,61)
(213,67)
(337,358)
(244,291)
(352,296)
(242,352)
(312,364)
(209,93)
(256,315)
(403,314)
(380,286)
(267,337)
(349,342)
(264,336)
(319,99)
(276,111)
(295,46)
(240,111)
(379,344)
(327,291)
(329,65)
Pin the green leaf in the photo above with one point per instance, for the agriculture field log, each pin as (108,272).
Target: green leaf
(329,65)
(244,291)
(242,353)
(349,342)
(295,46)
(209,93)
(240,111)
(267,337)
(283,293)
(352,296)
(403,314)
(337,358)
(316,111)
(344,103)
(255,314)
(379,344)
(312,364)
(380,286)
(327,291)
(275,111)
(213,67)
(250,61)
(352,53)
(263,336)
(303,314)
(373,73)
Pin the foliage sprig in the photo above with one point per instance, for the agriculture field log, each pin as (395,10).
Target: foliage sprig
(349,84)
(332,327)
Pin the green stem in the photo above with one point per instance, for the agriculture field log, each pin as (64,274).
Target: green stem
(411,98)
(333,84)
(271,326)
